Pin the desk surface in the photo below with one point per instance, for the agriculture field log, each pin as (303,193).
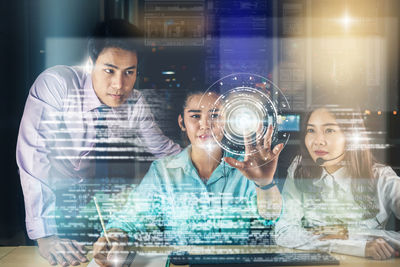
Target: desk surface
(29,256)
(5,250)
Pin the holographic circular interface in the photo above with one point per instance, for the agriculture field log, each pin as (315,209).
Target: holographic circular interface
(247,105)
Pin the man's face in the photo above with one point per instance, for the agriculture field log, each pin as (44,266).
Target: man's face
(114,75)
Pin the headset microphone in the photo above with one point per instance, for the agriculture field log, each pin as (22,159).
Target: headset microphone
(321,161)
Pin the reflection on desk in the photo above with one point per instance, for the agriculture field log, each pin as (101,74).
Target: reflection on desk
(143,260)
(29,256)
(5,250)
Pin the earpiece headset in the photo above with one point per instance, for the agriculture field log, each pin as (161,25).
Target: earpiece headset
(224,166)
(225,182)
(321,161)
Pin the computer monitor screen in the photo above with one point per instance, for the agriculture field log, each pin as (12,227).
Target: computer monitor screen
(289,122)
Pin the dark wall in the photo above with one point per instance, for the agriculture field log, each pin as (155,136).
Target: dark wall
(13,77)
(25,25)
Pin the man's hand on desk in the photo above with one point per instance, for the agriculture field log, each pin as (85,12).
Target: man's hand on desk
(379,249)
(106,254)
(61,251)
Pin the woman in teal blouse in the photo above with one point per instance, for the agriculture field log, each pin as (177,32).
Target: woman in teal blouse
(201,195)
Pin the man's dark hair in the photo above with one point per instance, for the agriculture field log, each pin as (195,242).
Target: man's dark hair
(115,33)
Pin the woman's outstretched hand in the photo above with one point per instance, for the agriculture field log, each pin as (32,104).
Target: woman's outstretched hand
(260,161)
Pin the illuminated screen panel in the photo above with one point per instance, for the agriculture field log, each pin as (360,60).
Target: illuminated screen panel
(174,31)
(169,23)
(289,123)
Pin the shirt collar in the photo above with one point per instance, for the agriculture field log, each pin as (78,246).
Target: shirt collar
(341,177)
(184,161)
(90,99)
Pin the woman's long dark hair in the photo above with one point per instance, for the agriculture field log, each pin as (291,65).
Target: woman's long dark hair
(358,158)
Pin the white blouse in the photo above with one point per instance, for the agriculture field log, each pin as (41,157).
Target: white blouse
(329,201)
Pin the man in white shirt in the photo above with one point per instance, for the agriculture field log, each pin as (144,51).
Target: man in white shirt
(59,133)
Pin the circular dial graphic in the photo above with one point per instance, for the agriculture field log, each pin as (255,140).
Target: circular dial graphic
(247,105)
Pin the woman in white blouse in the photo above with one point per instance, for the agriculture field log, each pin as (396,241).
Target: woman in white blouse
(337,197)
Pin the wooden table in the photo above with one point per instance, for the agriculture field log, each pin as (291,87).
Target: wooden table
(29,256)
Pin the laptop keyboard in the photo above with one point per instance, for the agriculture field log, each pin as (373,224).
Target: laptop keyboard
(267,259)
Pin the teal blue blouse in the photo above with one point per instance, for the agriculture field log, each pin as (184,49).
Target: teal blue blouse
(172,205)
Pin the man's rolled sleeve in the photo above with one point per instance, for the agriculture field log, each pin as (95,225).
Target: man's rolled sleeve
(349,247)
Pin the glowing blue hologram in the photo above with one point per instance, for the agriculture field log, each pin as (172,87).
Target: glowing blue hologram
(247,105)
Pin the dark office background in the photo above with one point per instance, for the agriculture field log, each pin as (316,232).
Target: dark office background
(30,32)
